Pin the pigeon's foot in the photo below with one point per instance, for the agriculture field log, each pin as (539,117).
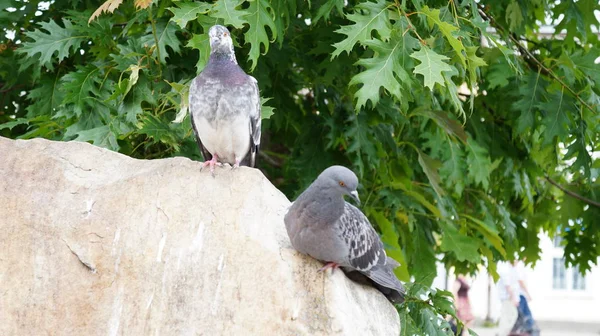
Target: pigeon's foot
(331,265)
(236,164)
(212,163)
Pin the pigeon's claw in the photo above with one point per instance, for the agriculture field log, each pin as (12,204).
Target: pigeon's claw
(236,164)
(331,265)
(212,163)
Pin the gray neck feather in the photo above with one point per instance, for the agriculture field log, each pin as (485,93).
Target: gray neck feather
(322,205)
(223,54)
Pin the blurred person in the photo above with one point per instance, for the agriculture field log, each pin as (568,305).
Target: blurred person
(463,304)
(508,291)
(526,318)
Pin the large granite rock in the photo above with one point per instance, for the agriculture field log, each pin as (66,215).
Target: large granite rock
(96,243)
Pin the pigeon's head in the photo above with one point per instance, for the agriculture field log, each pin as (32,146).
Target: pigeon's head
(342,180)
(220,40)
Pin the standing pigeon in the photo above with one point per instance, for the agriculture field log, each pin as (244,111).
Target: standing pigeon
(321,224)
(225,107)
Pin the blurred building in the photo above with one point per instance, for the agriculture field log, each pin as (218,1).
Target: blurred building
(559,294)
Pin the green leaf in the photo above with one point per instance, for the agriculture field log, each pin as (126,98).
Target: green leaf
(430,168)
(188,11)
(514,16)
(443,302)
(531,91)
(420,198)
(464,247)
(577,19)
(368,16)
(10,124)
(390,239)
(473,63)
(266,111)
(359,136)
(165,34)
(586,64)
(556,120)
(200,42)
(55,40)
(431,67)
(491,264)
(453,92)
(158,130)
(509,226)
(229,12)
(441,118)
(384,69)
(447,29)
(100,136)
(427,320)
(133,78)
(577,149)
(46,96)
(259,16)
(407,324)
(81,88)
(498,75)
(491,235)
(478,163)
(131,106)
(326,9)
(454,169)
(422,260)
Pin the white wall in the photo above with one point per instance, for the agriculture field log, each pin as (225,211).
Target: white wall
(548,304)
(562,304)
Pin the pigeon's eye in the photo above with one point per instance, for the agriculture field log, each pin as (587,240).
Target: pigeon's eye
(342,184)
(225,34)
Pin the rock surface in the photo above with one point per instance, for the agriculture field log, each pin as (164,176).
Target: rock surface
(96,243)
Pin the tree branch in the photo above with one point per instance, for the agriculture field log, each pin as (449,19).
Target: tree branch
(531,60)
(572,194)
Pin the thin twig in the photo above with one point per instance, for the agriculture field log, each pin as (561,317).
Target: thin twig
(410,25)
(531,58)
(269,159)
(573,194)
(155,41)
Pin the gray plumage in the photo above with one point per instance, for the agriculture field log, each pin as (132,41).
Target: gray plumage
(225,106)
(321,224)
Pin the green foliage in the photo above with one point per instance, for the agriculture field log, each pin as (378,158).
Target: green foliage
(54,39)
(460,146)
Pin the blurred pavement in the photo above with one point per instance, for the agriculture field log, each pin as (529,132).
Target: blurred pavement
(481,331)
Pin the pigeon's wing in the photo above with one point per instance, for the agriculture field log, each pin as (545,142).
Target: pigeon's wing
(396,294)
(255,120)
(366,253)
(197,102)
(205,153)
(384,276)
(365,247)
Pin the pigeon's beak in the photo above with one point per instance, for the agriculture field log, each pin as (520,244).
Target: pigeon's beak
(354,195)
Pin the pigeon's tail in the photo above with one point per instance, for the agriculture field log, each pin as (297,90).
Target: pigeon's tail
(386,282)
(383,278)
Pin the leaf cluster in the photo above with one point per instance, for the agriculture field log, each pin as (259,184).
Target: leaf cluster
(465,120)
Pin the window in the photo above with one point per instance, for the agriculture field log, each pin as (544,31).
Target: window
(557,240)
(559,280)
(578,279)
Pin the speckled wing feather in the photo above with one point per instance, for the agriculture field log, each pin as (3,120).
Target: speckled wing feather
(365,247)
(255,121)
(366,253)
(205,153)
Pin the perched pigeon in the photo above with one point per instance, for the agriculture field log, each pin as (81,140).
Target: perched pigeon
(225,107)
(321,224)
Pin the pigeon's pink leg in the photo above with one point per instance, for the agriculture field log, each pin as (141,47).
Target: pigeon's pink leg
(212,163)
(331,265)
(237,163)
